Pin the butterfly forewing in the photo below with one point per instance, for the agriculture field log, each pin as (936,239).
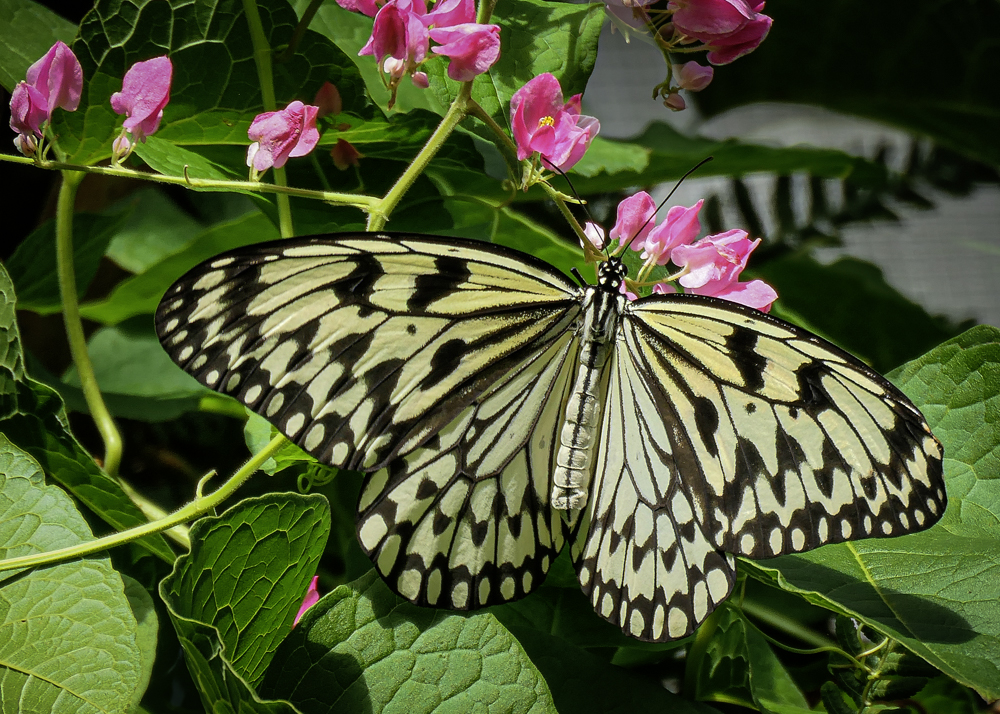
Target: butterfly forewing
(793,442)
(361,347)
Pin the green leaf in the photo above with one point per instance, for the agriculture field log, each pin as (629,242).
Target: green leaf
(731,662)
(258,432)
(155,228)
(147,627)
(362,648)
(141,294)
(36,422)
(68,637)
(892,84)
(894,328)
(137,378)
(27,32)
(233,598)
(33,266)
(215,90)
(935,591)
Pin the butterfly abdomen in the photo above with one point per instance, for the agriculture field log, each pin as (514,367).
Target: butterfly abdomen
(582,419)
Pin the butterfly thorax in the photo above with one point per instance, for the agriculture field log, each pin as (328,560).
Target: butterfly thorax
(602,309)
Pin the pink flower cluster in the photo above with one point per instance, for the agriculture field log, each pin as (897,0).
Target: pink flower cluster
(279,135)
(403,31)
(542,123)
(710,266)
(56,80)
(729,29)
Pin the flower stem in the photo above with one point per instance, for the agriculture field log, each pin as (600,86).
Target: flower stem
(456,112)
(198,507)
(262,57)
(74,327)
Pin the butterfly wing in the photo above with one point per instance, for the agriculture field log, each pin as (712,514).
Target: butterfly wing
(729,431)
(361,347)
(464,521)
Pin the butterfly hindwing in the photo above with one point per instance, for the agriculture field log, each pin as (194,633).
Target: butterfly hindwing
(465,521)
(359,347)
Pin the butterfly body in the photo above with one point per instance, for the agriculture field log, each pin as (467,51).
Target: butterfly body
(500,411)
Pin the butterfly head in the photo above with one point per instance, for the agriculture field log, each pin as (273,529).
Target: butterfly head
(611,275)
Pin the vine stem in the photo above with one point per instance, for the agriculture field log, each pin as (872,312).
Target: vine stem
(198,507)
(74,326)
(262,58)
(363,203)
(456,112)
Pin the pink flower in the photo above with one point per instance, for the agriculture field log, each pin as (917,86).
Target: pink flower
(726,49)
(449,13)
(693,76)
(680,228)
(595,234)
(719,258)
(311,598)
(729,28)
(674,101)
(328,100)
(279,135)
(473,48)
(708,19)
(399,34)
(344,155)
(368,7)
(28,109)
(626,292)
(756,293)
(635,219)
(542,123)
(58,77)
(145,92)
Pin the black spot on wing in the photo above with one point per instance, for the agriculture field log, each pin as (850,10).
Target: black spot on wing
(450,275)
(445,360)
(706,417)
(742,343)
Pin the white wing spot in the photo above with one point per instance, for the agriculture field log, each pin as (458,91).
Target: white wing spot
(920,517)
(460,595)
(339,453)
(314,438)
(434,586)
(275,404)
(775,541)
(636,623)
(846,529)
(199,362)
(677,623)
(699,597)
(172,325)
(484,591)
(866,526)
(212,377)
(823,530)
(607,605)
(185,353)
(373,530)
(798,539)
(526,581)
(932,507)
(294,423)
(886,527)
(233,382)
(387,554)
(507,588)
(747,543)
(409,584)
(718,585)
(252,394)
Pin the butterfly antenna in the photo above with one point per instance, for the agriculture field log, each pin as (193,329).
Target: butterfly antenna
(664,201)
(583,203)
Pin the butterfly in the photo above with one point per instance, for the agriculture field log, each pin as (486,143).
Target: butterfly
(499,411)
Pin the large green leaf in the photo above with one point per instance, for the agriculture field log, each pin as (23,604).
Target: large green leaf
(362,648)
(890,75)
(141,294)
(205,106)
(34,419)
(937,591)
(33,267)
(233,598)
(27,32)
(68,636)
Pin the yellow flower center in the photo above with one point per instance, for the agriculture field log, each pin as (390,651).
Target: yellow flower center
(546,121)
